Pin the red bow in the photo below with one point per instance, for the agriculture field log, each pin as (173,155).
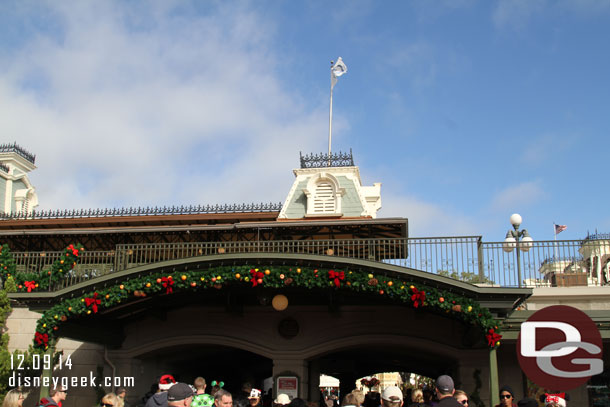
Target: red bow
(93,302)
(30,285)
(418,297)
(336,276)
(554,398)
(256,275)
(492,338)
(41,339)
(168,282)
(73,250)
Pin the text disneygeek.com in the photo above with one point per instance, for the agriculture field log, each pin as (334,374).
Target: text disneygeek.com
(67,382)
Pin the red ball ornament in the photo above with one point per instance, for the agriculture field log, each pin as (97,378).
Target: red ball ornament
(441,300)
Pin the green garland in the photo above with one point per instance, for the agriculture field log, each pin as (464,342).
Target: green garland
(7,263)
(277,277)
(41,280)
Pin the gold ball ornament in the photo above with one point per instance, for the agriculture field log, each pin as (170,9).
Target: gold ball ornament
(279,302)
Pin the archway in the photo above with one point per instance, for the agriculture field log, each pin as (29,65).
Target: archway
(213,362)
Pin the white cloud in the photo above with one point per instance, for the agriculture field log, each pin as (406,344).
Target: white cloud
(428,219)
(416,61)
(518,196)
(515,14)
(146,107)
(546,149)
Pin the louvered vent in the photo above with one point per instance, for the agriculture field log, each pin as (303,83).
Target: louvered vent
(324,199)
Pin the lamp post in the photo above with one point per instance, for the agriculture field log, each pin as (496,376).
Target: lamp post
(512,241)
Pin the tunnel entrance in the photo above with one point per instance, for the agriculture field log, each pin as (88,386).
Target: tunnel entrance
(212,362)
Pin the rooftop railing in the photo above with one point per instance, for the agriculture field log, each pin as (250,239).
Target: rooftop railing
(144,211)
(468,258)
(324,160)
(15,148)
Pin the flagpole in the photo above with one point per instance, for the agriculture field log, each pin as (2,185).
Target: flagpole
(555,239)
(330,116)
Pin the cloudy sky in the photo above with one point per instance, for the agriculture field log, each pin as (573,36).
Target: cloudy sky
(465,111)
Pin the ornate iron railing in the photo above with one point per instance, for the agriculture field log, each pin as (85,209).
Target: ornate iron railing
(14,148)
(323,160)
(598,236)
(145,211)
(463,258)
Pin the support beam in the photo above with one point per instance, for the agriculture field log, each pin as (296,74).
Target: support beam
(494,388)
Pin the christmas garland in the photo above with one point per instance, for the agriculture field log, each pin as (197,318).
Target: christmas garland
(40,280)
(278,277)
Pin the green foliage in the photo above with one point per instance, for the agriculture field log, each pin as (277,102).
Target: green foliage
(466,276)
(276,277)
(7,263)
(5,364)
(9,285)
(8,267)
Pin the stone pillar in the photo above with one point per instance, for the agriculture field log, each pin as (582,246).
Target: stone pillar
(292,367)
(494,387)
(314,381)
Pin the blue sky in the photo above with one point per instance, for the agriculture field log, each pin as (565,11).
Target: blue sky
(465,111)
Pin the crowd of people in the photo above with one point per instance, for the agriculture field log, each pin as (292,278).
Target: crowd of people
(169,393)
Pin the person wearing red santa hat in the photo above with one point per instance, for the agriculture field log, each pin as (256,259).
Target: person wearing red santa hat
(160,398)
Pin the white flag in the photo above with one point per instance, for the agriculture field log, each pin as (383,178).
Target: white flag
(338,69)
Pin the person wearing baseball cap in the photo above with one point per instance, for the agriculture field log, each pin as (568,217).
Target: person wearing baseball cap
(444,391)
(391,397)
(281,400)
(180,395)
(255,397)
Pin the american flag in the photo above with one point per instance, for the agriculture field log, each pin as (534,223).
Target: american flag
(560,228)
